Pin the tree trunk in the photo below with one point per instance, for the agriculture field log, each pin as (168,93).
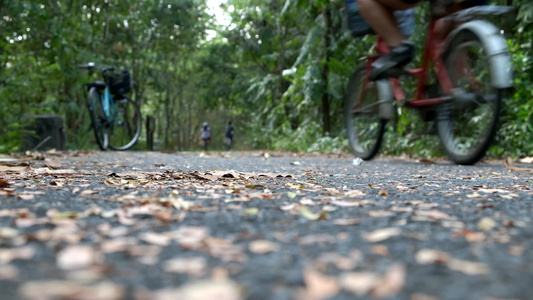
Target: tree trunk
(181,100)
(167,119)
(1,8)
(326,121)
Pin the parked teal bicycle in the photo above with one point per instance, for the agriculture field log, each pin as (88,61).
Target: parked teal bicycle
(115,118)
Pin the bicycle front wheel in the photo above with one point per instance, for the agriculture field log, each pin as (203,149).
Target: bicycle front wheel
(364,126)
(467,125)
(126,124)
(98,118)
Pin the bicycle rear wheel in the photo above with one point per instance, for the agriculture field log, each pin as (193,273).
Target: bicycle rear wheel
(467,125)
(126,124)
(98,118)
(364,126)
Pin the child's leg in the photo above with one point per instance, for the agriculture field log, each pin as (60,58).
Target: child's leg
(379,15)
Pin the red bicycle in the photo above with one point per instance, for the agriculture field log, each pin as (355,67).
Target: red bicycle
(472,68)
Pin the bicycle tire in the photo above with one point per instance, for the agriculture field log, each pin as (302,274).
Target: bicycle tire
(467,127)
(125,124)
(364,127)
(98,118)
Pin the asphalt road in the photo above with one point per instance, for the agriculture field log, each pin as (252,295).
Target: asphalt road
(257,225)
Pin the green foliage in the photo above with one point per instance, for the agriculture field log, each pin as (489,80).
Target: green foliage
(515,136)
(306,138)
(45,41)
(278,71)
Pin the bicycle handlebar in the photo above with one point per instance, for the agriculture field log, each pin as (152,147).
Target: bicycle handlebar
(91,66)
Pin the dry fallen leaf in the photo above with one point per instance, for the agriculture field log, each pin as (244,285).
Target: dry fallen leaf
(88,192)
(469,235)
(359,283)
(88,275)
(354,193)
(164,216)
(308,214)
(343,203)
(223,249)
(526,160)
(380,250)
(4,183)
(432,214)
(52,163)
(118,244)
(486,224)
(379,213)
(391,283)
(418,296)
(154,238)
(203,290)
(429,256)
(146,254)
(4,168)
(347,222)
(21,253)
(263,246)
(426,161)
(318,286)
(123,218)
(383,192)
(8,233)
(401,209)
(189,237)
(293,207)
(62,289)
(193,266)
(252,211)
(468,267)
(317,239)
(76,257)
(26,196)
(509,165)
(381,234)
(56,289)
(308,202)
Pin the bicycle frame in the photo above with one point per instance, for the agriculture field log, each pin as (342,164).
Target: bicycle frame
(106,102)
(432,54)
(460,87)
(113,112)
(110,108)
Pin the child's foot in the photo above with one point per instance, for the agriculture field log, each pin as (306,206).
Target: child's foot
(397,58)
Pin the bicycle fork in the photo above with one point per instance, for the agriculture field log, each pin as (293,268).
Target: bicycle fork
(106,102)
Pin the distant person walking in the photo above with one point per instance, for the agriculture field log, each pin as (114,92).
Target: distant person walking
(228,136)
(206,135)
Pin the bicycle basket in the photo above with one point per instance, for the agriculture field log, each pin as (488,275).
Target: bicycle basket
(119,83)
(359,27)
